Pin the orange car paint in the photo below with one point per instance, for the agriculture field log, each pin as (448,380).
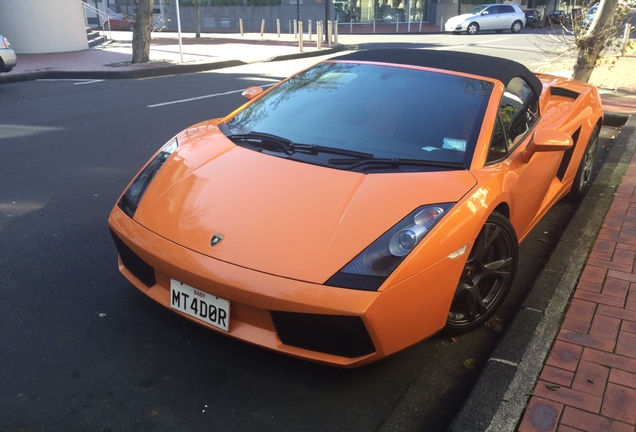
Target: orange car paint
(276,276)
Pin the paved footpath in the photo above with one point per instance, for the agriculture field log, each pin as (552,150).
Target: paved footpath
(588,381)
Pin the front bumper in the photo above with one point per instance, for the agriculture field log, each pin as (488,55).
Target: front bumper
(9,59)
(455,27)
(336,326)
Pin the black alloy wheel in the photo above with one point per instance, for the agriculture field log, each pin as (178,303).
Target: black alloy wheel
(487,276)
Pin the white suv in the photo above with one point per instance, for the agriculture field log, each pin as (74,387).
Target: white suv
(497,17)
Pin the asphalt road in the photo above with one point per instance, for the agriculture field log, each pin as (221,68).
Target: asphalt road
(82,349)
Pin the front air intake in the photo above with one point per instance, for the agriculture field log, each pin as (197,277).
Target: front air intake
(133,263)
(344,336)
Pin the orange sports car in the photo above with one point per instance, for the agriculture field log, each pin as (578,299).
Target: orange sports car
(359,206)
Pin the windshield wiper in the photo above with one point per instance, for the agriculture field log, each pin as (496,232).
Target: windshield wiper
(395,162)
(265,141)
(275,142)
(315,149)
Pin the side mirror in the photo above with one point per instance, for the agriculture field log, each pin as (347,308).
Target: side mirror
(545,140)
(485,13)
(251,92)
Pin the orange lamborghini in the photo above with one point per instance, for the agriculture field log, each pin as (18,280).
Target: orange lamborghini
(359,206)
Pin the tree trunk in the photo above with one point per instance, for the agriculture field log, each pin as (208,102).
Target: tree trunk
(197,18)
(591,45)
(142,32)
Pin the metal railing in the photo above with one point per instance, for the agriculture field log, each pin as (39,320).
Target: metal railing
(102,19)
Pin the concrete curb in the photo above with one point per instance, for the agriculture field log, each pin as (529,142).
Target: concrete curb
(308,54)
(141,72)
(147,71)
(498,399)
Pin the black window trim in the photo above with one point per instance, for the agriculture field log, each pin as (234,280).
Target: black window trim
(512,149)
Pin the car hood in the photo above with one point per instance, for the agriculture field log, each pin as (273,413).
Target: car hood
(461,18)
(276,215)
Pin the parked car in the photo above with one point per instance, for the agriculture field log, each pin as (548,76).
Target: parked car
(556,17)
(8,59)
(120,22)
(533,18)
(497,17)
(589,17)
(345,244)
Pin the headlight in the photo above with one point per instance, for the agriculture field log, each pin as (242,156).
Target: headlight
(131,198)
(370,269)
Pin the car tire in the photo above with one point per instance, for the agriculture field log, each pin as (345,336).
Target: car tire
(487,276)
(472,28)
(516,27)
(583,178)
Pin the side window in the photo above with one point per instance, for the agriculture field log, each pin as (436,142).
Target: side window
(518,113)
(498,148)
(506,9)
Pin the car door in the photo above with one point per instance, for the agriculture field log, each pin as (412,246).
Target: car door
(488,18)
(526,182)
(506,17)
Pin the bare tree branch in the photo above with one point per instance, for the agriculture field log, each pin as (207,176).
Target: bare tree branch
(591,46)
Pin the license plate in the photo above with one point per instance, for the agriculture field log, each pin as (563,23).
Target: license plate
(200,305)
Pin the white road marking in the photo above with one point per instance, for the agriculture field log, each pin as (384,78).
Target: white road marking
(74,80)
(200,97)
(88,82)
(472,43)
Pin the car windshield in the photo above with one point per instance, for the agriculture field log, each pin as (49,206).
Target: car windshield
(355,115)
(476,10)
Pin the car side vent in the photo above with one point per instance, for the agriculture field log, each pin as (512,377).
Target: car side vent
(558,91)
(567,156)
(344,336)
(133,263)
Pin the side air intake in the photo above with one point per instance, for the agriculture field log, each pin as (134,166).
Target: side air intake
(558,91)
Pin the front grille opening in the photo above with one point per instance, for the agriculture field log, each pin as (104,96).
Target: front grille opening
(567,156)
(133,263)
(344,336)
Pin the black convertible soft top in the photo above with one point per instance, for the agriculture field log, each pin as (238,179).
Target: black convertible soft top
(475,64)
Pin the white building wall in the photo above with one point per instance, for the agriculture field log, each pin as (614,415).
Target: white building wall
(43,26)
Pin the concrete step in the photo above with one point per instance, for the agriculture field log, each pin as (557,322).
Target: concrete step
(94,37)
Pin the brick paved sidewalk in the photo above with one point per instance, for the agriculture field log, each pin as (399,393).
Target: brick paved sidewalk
(589,380)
